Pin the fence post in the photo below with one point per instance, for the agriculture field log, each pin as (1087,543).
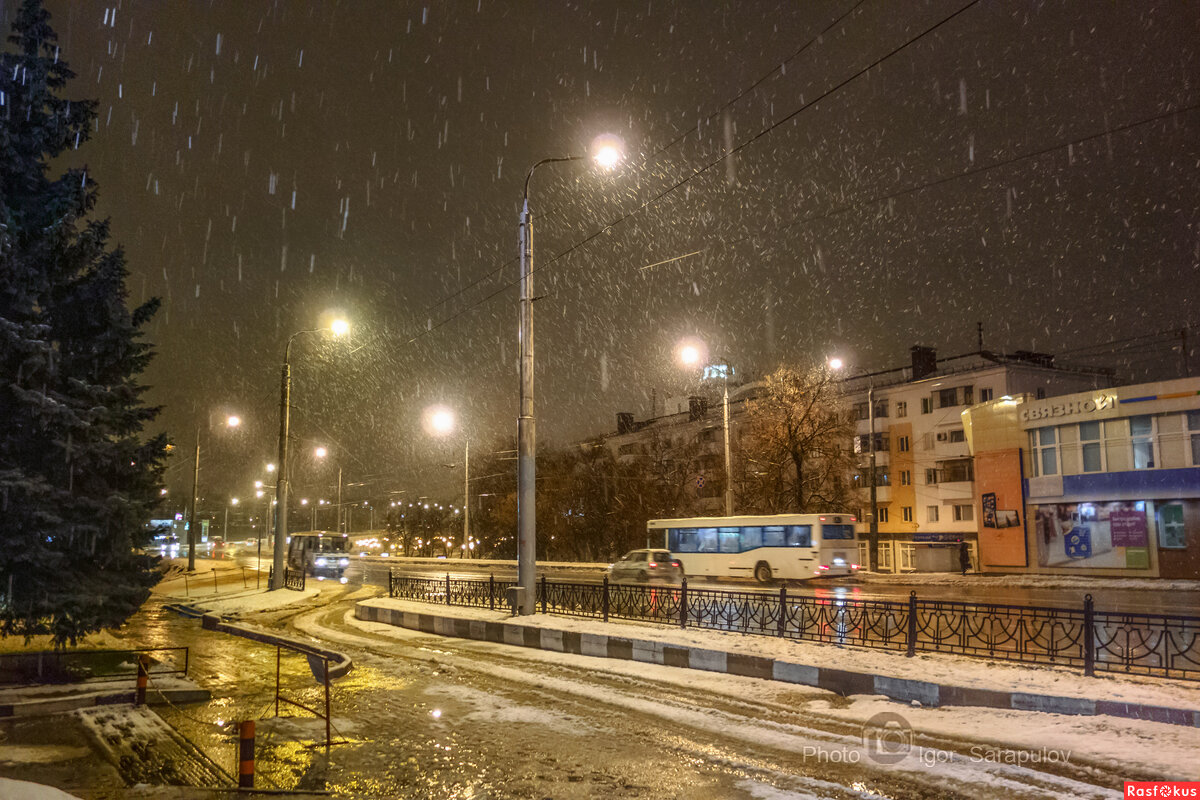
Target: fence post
(683,604)
(604,601)
(1089,637)
(912,624)
(246,755)
(214,581)
(492,592)
(187,590)
(543,594)
(782,610)
(328,720)
(143,678)
(447,588)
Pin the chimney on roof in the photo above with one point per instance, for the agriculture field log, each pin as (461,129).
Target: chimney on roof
(697,408)
(624,422)
(924,361)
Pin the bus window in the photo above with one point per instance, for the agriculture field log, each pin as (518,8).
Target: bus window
(752,537)
(708,540)
(773,536)
(683,540)
(799,536)
(731,540)
(837,531)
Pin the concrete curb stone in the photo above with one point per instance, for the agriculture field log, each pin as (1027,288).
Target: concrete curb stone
(844,682)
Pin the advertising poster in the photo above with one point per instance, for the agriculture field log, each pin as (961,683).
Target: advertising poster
(1092,535)
(1002,535)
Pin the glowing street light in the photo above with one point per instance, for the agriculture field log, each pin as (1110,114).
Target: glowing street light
(692,353)
(231,422)
(338,327)
(873,525)
(606,152)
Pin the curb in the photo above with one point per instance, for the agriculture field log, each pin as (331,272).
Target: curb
(57,705)
(843,682)
(340,663)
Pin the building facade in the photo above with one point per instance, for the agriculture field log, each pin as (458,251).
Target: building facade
(925,473)
(1104,482)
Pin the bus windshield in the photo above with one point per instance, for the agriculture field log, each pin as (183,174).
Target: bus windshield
(339,544)
(837,531)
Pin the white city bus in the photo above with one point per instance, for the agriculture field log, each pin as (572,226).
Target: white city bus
(781,546)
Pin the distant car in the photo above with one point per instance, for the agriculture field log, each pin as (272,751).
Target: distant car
(645,566)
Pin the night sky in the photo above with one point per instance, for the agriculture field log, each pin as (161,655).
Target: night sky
(1033,166)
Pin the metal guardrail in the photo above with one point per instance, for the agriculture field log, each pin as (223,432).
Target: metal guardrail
(292,578)
(1095,641)
(67,666)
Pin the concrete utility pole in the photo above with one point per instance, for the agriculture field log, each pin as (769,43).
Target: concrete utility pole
(873,535)
(195,497)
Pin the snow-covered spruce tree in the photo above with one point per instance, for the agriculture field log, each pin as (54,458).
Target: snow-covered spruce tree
(78,480)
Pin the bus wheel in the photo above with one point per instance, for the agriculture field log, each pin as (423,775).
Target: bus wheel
(762,572)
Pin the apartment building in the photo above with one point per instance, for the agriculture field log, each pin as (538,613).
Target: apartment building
(925,472)
(1105,482)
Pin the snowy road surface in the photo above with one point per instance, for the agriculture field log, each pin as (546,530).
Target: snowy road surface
(427,716)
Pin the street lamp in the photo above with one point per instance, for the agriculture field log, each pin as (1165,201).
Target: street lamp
(321,452)
(230,422)
(441,423)
(606,152)
(691,354)
(233,501)
(338,327)
(873,529)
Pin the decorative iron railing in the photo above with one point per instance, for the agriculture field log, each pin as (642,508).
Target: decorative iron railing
(292,578)
(1141,644)
(64,666)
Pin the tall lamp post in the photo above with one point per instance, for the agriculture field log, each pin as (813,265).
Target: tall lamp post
(337,328)
(606,152)
(441,421)
(322,452)
(691,355)
(231,422)
(873,528)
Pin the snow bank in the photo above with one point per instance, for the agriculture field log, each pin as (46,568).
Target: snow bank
(23,790)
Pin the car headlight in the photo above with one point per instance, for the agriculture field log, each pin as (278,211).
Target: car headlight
(321,562)
(343,562)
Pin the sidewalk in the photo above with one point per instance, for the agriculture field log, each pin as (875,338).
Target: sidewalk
(945,680)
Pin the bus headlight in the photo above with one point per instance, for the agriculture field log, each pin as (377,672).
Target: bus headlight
(321,562)
(343,562)
(345,579)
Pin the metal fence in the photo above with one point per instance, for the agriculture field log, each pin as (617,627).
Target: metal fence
(292,578)
(1095,641)
(67,666)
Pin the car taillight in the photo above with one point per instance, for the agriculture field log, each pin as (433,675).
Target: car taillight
(823,566)
(653,565)
(854,566)
(676,563)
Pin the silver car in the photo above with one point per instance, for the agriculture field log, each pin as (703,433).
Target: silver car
(645,566)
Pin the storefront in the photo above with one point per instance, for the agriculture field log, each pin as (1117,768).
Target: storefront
(1103,483)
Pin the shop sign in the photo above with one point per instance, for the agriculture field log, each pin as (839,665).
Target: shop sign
(1128,528)
(1104,402)
(936,537)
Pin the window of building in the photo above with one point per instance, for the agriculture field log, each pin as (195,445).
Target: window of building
(905,477)
(1041,393)
(906,512)
(926,405)
(1193,426)
(902,444)
(931,475)
(968,395)
(931,513)
(957,435)
(862,443)
(862,411)
(1141,435)
(1043,444)
(1093,452)
(1171,533)
(964,513)
(883,515)
(947,398)
(985,395)
(901,409)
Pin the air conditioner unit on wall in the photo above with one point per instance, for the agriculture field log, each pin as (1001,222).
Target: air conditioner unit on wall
(943,436)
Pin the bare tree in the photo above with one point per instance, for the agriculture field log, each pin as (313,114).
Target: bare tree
(795,452)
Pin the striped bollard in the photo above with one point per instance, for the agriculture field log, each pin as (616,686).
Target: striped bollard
(143,679)
(246,755)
